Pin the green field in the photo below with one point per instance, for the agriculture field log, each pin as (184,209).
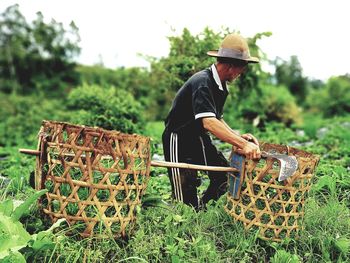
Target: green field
(171,232)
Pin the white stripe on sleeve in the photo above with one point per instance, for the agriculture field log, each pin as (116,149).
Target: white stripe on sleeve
(204,114)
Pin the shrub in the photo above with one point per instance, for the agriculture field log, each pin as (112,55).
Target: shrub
(267,104)
(108,108)
(333,99)
(21,117)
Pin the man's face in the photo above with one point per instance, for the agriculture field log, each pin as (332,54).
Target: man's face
(235,70)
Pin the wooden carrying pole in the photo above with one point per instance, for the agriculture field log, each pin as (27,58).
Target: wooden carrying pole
(164,164)
(193,166)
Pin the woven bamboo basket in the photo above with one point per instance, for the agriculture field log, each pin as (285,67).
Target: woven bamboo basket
(95,177)
(275,209)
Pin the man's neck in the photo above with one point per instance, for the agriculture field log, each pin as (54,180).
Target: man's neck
(221,72)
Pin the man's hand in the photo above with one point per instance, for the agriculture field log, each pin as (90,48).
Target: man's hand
(250,151)
(250,138)
(222,131)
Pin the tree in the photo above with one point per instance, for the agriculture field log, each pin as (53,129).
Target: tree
(290,74)
(36,56)
(333,98)
(134,79)
(13,40)
(187,55)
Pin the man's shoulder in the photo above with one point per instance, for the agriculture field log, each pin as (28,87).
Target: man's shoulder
(202,77)
(203,74)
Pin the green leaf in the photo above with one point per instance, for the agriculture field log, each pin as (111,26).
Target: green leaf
(23,208)
(13,236)
(181,253)
(326,181)
(168,219)
(14,257)
(284,256)
(343,245)
(178,218)
(175,259)
(43,241)
(6,207)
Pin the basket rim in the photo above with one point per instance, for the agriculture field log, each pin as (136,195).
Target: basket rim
(96,128)
(309,154)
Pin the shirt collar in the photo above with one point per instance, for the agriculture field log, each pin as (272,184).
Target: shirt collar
(216,77)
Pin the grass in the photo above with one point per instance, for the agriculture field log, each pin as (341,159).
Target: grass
(171,232)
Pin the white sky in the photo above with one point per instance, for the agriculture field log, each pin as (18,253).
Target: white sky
(315,31)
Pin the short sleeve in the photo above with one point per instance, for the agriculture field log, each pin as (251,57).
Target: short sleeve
(203,103)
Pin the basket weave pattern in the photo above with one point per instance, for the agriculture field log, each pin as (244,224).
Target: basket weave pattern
(95,178)
(275,208)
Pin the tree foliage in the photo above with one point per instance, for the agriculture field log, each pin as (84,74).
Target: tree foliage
(266,104)
(36,56)
(134,80)
(187,55)
(333,98)
(290,74)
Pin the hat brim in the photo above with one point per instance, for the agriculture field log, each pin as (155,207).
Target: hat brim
(214,53)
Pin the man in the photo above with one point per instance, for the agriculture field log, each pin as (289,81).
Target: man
(198,109)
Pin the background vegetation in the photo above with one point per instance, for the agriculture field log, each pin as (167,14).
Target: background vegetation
(39,79)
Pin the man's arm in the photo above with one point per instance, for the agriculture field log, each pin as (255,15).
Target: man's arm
(247,136)
(228,127)
(226,134)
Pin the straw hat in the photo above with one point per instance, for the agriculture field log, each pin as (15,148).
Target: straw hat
(234,46)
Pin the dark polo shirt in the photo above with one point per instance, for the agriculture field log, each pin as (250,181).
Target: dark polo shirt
(200,97)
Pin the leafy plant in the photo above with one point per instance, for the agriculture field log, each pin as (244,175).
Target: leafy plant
(283,256)
(13,236)
(343,245)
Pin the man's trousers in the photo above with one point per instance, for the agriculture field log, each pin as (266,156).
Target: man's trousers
(194,150)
